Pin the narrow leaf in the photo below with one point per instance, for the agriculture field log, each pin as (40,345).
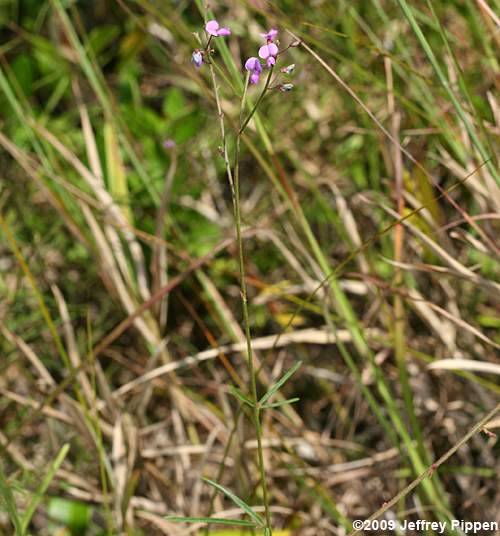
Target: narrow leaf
(238,394)
(38,495)
(280,403)
(212,520)
(280,383)
(236,501)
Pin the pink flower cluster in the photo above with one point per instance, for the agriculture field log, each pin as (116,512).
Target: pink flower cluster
(267,52)
(213,29)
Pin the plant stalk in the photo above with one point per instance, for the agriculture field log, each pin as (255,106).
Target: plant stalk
(235,192)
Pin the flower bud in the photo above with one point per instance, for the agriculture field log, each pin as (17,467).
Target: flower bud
(168,144)
(197,58)
(288,69)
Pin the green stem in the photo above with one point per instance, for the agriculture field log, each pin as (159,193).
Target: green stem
(235,187)
(259,100)
(235,192)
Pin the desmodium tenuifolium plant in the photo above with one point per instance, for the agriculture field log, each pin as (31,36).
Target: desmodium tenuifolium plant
(267,59)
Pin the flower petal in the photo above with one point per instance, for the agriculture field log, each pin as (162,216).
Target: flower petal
(273,49)
(254,78)
(270,35)
(268,50)
(224,31)
(211,27)
(264,52)
(250,64)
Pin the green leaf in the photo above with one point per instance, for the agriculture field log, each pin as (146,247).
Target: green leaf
(281,403)
(38,495)
(211,521)
(244,506)
(238,394)
(239,532)
(274,388)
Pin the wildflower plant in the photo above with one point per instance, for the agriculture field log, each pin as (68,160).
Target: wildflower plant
(266,59)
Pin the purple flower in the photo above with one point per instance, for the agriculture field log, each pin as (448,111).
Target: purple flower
(254,66)
(197,58)
(168,144)
(268,50)
(270,61)
(212,28)
(270,35)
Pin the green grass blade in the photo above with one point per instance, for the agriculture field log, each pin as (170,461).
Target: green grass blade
(274,388)
(239,502)
(42,488)
(281,403)
(447,87)
(212,521)
(238,394)
(97,82)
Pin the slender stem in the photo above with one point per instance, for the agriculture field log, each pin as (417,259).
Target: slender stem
(208,43)
(259,100)
(251,369)
(235,192)
(222,127)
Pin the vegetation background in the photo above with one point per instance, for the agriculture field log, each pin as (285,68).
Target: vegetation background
(370,199)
